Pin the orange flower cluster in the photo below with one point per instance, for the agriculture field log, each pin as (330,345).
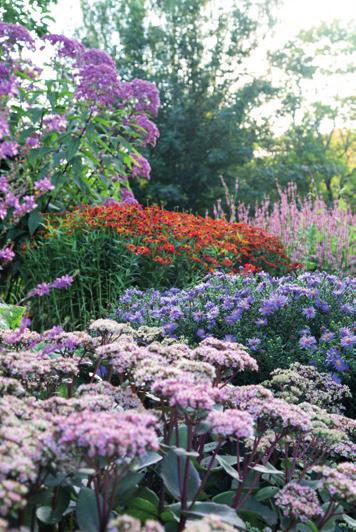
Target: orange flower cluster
(163,236)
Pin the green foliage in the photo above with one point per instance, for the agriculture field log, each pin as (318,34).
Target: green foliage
(35,15)
(10,316)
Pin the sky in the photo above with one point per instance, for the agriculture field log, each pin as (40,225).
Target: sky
(294,16)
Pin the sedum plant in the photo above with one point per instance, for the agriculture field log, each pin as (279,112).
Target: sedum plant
(115,429)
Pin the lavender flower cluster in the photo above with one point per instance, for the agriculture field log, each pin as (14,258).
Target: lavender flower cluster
(307,317)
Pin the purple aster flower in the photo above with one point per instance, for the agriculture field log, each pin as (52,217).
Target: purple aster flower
(229,338)
(198,315)
(345,331)
(309,312)
(335,378)
(260,322)
(253,343)
(347,308)
(337,362)
(348,341)
(169,328)
(201,333)
(271,305)
(327,336)
(308,342)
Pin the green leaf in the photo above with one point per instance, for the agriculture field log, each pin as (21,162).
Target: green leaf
(47,515)
(34,221)
(149,495)
(11,316)
(267,469)
(224,498)
(87,511)
(201,509)
(72,148)
(349,520)
(260,510)
(144,505)
(169,475)
(148,460)
(266,493)
(228,468)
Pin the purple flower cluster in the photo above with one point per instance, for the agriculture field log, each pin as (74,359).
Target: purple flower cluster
(310,315)
(43,289)
(299,502)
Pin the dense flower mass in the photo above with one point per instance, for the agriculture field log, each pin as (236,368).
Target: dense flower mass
(114,413)
(164,237)
(266,314)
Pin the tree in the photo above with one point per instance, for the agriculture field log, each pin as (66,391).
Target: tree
(35,15)
(200,65)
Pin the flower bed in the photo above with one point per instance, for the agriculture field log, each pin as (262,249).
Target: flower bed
(114,429)
(115,246)
(306,318)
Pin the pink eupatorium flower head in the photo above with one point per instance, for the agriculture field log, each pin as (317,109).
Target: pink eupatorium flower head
(231,422)
(55,122)
(43,185)
(141,166)
(15,34)
(298,502)
(66,47)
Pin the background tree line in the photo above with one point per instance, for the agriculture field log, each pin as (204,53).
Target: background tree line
(218,115)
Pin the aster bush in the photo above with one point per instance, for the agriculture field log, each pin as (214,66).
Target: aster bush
(71,131)
(306,318)
(117,428)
